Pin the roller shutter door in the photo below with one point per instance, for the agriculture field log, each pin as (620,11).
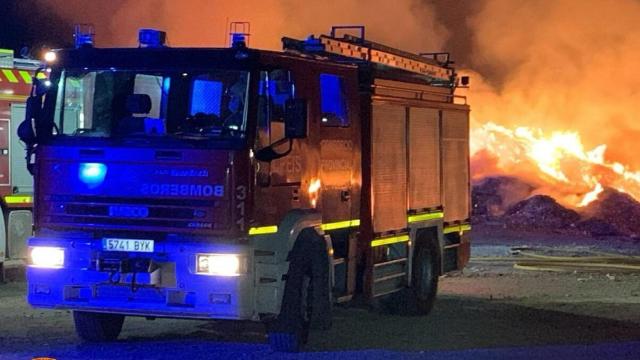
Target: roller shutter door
(389,168)
(424,158)
(455,164)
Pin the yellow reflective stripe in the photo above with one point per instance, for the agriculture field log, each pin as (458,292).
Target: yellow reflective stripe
(390,240)
(41,76)
(6,51)
(25,76)
(10,75)
(13,97)
(424,217)
(18,199)
(340,225)
(456,228)
(263,230)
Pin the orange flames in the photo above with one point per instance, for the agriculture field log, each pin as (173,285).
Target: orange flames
(558,162)
(314,191)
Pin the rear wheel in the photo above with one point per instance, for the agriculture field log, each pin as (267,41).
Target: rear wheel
(424,280)
(417,299)
(97,327)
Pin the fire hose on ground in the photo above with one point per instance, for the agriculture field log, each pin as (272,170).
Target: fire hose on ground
(532,259)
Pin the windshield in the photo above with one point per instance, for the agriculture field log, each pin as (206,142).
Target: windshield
(112,103)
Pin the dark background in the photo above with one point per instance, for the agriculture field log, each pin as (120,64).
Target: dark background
(25,23)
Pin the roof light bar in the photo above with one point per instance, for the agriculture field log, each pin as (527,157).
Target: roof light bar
(84,35)
(151,38)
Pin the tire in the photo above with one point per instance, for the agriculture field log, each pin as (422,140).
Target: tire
(97,327)
(424,281)
(306,301)
(419,298)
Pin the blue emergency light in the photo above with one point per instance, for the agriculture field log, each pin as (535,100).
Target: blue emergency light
(313,43)
(83,35)
(92,174)
(238,40)
(152,38)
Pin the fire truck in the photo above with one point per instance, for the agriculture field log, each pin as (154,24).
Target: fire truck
(244,184)
(16,184)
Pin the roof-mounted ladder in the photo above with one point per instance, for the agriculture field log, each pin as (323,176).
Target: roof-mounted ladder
(358,48)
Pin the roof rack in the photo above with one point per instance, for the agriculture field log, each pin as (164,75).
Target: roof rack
(357,48)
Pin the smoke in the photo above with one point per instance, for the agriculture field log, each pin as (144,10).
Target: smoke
(407,24)
(557,65)
(561,65)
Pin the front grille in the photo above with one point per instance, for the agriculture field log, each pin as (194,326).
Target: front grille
(84,199)
(133,213)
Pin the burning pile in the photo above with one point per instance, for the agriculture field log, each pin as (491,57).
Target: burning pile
(514,204)
(561,186)
(618,209)
(558,163)
(494,195)
(540,212)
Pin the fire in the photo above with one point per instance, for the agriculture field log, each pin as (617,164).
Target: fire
(314,188)
(591,195)
(559,161)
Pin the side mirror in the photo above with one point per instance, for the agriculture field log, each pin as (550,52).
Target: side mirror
(295,119)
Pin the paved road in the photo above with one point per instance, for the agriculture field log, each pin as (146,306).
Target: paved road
(462,326)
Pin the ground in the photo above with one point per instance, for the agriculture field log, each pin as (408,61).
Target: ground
(490,310)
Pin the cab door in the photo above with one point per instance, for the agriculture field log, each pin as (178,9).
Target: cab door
(337,147)
(279,181)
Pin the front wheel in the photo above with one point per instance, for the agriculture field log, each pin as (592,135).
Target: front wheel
(97,327)
(306,302)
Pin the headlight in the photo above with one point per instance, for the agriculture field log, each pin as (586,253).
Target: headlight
(47,257)
(221,264)
(50,56)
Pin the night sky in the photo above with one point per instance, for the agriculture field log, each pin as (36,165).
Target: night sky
(25,23)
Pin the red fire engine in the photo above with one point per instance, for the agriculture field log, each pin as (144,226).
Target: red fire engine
(16,184)
(235,183)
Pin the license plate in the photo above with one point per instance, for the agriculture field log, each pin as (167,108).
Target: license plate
(131,245)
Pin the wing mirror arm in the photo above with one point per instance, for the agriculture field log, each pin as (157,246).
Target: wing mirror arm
(295,125)
(268,153)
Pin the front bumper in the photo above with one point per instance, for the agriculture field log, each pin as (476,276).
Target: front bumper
(173,289)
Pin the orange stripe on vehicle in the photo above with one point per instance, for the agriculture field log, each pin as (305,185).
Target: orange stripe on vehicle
(10,76)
